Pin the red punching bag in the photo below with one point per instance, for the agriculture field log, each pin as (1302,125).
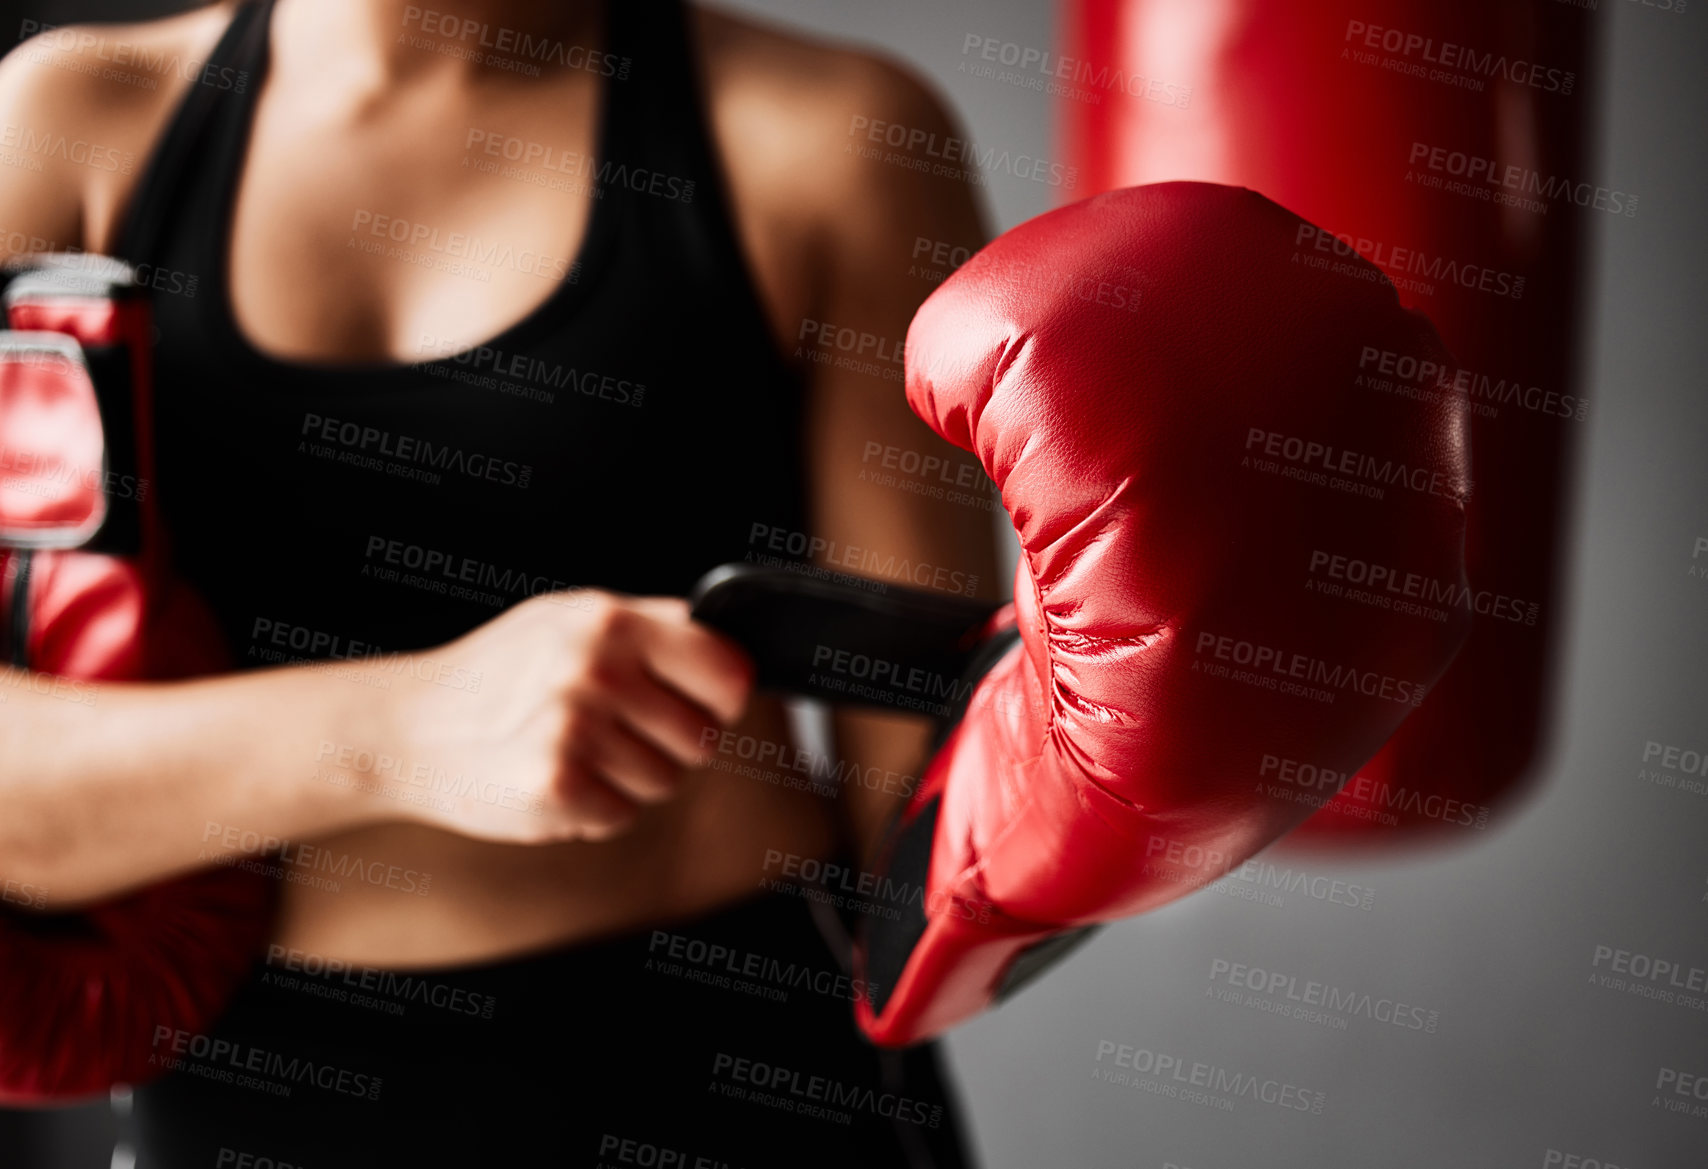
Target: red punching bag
(1449,146)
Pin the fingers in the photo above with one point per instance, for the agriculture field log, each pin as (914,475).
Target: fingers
(705,667)
(665,719)
(633,766)
(598,811)
(650,691)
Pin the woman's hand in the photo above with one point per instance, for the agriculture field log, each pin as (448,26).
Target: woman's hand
(579,708)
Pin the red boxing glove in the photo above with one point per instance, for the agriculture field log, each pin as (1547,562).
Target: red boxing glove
(1172,457)
(85,992)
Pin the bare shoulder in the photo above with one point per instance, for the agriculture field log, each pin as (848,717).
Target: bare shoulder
(114,73)
(80,107)
(829,214)
(808,87)
(800,118)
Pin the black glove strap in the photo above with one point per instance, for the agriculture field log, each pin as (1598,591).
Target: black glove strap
(848,641)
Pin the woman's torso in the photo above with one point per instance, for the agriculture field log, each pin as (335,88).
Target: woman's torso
(596,400)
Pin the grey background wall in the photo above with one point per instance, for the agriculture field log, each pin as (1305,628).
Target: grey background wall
(1533,1055)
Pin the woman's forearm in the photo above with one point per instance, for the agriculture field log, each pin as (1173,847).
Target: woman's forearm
(104,787)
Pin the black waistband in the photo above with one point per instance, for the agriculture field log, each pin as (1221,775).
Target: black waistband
(729,1038)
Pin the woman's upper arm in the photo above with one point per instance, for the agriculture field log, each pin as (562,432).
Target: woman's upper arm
(76,127)
(41,196)
(880,479)
(919,510)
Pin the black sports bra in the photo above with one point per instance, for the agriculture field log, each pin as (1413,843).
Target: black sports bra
(635,430)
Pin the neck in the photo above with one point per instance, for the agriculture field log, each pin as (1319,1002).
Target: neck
(390,40)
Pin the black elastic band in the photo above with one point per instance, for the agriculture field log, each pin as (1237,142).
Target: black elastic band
(17,627)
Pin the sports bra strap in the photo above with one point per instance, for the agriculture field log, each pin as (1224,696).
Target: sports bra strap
(155,198)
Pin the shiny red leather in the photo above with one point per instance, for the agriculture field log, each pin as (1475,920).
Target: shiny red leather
(1322,105)
(1111,761)
(84,991)
(51,451)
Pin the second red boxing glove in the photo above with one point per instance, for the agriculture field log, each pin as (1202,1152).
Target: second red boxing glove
(86,595)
